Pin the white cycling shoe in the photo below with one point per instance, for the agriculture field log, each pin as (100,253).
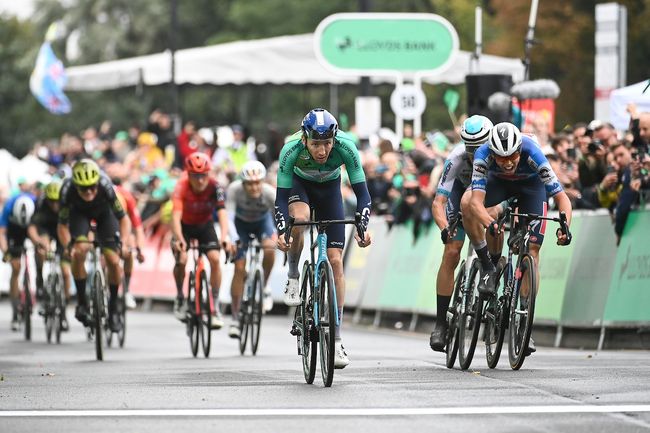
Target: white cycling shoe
(341,359)
(267,302)
(129,300)
(292,292)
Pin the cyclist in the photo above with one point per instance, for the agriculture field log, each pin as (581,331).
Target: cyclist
(310,175)
(251,201)
(134,240)
(511,165)
(89,195)
(453,185)
(196,196)
(16,215)
(42,229)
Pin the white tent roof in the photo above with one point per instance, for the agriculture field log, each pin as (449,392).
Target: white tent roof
(279,60)
(619,98)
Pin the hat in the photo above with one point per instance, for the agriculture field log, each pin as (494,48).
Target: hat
(595,125)
(122,135)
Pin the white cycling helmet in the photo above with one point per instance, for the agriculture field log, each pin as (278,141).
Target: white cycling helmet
(505,139)
(475,131)
(23,210)
(253,171)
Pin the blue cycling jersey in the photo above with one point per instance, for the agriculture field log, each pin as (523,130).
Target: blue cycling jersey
(531,163)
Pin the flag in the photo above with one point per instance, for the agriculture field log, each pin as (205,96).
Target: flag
(451,98)
(47,81)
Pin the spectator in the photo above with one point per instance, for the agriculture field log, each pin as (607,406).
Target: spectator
(185,143)
(592,167)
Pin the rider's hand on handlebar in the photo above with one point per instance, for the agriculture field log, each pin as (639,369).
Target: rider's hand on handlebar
(282,244)
(563,238)
(139,256)
(494,229)
(366,239)
(180,245)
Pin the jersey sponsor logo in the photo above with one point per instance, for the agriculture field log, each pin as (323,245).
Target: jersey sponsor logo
(481,169)
(532,163)
(448,166)
(545,174)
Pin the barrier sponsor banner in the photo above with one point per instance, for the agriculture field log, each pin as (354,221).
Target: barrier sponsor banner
(629,292)
(591,269)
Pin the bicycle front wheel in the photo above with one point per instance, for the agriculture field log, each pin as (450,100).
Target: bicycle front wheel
(98,314)
(49,306)
(205,317)
(192,312)
(307,339)
(59,308)
(27,306)
(256,310)
(121,310)
(453,317)
(522,311)
(470,317)
(244,320)
(327,318)
(496,318)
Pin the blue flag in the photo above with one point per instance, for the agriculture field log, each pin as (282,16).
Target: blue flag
(47,81)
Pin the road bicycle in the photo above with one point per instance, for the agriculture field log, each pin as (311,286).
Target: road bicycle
(26,306)
(54,302)
(251,311)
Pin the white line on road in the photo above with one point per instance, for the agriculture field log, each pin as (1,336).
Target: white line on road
(282,412)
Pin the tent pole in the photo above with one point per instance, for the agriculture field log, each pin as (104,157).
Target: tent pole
(172,47)
(334,100)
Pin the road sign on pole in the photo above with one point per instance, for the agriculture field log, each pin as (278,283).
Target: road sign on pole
(408,101)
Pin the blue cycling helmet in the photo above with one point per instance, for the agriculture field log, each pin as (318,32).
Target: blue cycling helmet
(475,132)
(319,124)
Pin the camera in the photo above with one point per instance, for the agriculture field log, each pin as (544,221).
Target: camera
(611,169)
(594,146)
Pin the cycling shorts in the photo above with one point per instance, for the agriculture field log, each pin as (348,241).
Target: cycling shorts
(262,229)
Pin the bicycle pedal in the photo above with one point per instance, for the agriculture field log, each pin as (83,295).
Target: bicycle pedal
(294,331)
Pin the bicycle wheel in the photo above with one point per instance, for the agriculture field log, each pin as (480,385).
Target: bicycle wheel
(522,310)
(244,314)
(27,306)
(470,318)
(192,319)
(98,313)
(327,317)
(59,309)
(121,309)
(451,348)
(256,310)
(496,318)
(49,306)
(205,318)
(307,339)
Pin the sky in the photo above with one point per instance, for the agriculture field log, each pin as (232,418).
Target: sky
(21,8)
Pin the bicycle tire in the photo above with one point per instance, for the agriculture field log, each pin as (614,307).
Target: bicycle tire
(98,309)
(470,319)
(59,309)
(121,305)
(496,319)
(192,319)
(49,310)
(243,325)
(451,348)
(256,311)
(27,306)
(327,317)
(205,318)
(307,341)
(519,328)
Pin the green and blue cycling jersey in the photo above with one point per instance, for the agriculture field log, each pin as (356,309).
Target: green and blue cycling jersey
(295,160)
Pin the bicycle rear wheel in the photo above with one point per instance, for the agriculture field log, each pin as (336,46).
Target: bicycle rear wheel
(327,317)
(470,318)
(27,306)
(205,318)
(192,319)
(496,318)
(59,309)
(49,306)
(244,320)
(522,311)
(307,338)
(256,311)
(451,348)
(121,309)
(98,314)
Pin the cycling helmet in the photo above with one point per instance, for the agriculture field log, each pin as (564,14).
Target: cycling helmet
(253,171)
(23,210)
(319,124)
(475,131)
(53,190)
(198,163)
(85,172)
(505,139)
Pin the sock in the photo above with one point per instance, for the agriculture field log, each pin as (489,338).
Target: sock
(484,257)
(337,334)
(81,291)
(179,287)
(112,299)
(293,260)
(39,277)
(127,280)
(15,304)
(235,305)
(495,258)
(442,305)
(215,298)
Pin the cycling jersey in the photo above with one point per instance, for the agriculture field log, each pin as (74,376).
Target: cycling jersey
(7,216)
(458,167)
(295,160)
(45,218)
(71,201)
(197,208)
(246,208)
(532,164)
(129,204)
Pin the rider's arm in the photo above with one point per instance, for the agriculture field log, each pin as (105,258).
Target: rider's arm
(4,221)
(222,214)
(63,232)
(352,160)
(479,183)
(3,240)
(177,211)
(288,156)
(438,209)
(32,234)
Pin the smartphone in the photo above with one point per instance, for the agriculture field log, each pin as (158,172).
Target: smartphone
(610,169)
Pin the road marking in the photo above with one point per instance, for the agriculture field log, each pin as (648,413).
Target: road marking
(283,412)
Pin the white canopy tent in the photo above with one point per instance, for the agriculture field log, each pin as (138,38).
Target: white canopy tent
(278,60)
(619,99)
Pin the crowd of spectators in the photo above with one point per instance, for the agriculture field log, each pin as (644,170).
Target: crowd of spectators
(598,166)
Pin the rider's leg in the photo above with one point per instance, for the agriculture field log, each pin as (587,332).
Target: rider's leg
(14,291)
(39,259)
(65,271)
(179,272)
(128,269)
(114,277)
(300,211)
(79,252)
(445,279)
(476,232)
(268,260)
(215,273)
(237,287)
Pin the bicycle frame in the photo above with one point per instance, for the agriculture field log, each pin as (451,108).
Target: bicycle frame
(253,262)
(320,245)
(199,266)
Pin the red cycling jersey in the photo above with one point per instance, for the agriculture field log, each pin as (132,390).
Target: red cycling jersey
(128,203)
(197,208)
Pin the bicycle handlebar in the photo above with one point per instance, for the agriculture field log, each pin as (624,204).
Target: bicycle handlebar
(324,223)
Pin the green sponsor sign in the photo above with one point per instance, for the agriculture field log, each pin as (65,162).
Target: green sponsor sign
(381,43)
(629,293)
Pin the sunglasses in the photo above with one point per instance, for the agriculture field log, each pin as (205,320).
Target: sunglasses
(85,189)
(198,175)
